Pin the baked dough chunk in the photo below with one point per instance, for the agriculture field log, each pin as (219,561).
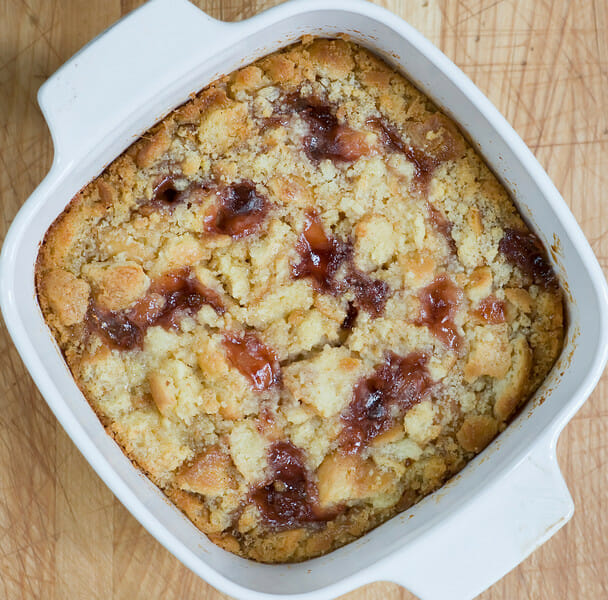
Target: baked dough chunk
(301,302)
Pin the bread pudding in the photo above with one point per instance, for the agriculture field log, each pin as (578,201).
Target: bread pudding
(301,302)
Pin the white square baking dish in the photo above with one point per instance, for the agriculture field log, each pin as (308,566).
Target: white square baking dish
(509,499)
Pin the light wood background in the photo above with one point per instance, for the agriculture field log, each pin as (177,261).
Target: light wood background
(544,63)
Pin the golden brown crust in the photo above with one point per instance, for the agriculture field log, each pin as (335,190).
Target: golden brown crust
(183,287)
(477,432)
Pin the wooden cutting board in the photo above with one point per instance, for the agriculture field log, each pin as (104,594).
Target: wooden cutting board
(544,63)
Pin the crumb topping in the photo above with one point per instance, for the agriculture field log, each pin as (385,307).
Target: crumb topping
(300,302)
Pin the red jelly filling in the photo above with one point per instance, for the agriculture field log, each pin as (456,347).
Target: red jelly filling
(395,386)
(440,301)
(239,212)
(170,297)
(289,498)
(524,250)
(321,258)
(253,359)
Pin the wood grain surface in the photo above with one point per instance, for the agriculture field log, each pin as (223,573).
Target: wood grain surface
(544,63)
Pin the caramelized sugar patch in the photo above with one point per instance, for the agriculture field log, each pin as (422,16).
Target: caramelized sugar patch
(170,297)
(252,358)
(289,498)
(523,249)
(239,211)
(378,401)
(440,301)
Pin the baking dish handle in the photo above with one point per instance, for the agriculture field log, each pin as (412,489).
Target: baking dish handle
(91,94)
(489,536)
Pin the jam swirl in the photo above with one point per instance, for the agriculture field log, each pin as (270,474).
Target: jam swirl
(288,499)
(239,212)
(439,303)
(170,298)
(321,259)
(328,138)
(425,152)
(252,358)
(378,401)
(524,250)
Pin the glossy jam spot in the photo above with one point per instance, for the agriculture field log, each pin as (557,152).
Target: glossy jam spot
(266,422)
(164,192)
(166,197)
(327,137)
(239,212)
(276,120)
(439,302)
(252,358)
(378,401)
(388,134)
(321,255)
(183,295)
(170,298)
(524,250)
(321,258)
(289,498)
(115,327)
(491,310)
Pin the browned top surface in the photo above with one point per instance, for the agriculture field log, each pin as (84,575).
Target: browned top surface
(544,64)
